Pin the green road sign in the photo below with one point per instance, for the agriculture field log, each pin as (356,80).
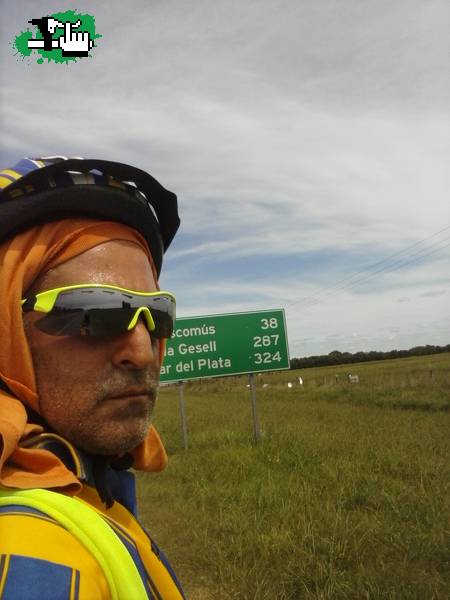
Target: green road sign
(229,344)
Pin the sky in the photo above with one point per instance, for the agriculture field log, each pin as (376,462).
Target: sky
(307,142)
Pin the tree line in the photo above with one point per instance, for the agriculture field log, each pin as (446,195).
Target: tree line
(341,358)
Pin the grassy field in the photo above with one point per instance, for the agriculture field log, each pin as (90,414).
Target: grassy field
(347,494)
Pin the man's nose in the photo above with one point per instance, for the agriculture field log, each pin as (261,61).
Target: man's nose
(136,348)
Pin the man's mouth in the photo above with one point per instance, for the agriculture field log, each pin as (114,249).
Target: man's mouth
(131,392)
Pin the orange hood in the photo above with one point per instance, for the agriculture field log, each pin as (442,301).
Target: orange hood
(22,259)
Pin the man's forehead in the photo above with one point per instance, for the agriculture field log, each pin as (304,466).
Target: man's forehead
(115,262)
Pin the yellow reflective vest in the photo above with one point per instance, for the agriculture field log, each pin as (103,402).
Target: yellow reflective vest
(72,548)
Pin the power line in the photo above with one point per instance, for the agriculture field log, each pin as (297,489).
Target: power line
(393,267)
(387,270)
(312,299)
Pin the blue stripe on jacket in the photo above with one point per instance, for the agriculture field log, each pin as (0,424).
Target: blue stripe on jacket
(35,579)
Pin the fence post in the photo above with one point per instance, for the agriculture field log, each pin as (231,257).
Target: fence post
(257,434)
(183,415)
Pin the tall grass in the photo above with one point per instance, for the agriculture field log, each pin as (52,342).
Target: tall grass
(345,496)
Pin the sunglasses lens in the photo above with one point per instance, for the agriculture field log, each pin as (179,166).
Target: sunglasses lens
(69,322)
(163,324)
(108,321)
(101,312)
(91,298)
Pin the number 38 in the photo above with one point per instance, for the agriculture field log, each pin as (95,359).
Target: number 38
(269,323)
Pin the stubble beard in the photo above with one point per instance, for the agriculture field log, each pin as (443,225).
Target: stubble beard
(126,429)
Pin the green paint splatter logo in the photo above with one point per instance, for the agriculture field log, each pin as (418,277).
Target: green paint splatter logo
(60,37)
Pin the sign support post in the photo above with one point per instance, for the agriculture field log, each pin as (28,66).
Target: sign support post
(256,431)
(183,416)
(226,344)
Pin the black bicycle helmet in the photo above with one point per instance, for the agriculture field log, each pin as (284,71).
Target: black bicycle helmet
(39,190)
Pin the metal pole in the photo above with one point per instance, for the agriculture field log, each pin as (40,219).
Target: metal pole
(251,379)
(183,416)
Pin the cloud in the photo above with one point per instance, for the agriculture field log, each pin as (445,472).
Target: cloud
(432,294)
(305,143)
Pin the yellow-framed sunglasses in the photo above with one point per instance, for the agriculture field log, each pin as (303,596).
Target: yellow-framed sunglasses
(96,309)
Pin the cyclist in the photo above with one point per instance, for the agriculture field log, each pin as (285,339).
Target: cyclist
(83,326)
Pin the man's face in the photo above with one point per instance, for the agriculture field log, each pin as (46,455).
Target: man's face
(76,376)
